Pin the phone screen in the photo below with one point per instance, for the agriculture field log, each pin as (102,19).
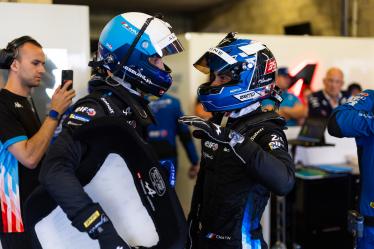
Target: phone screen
(66,75)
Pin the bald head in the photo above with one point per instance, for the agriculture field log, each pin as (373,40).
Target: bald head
(334,71)
(333,81)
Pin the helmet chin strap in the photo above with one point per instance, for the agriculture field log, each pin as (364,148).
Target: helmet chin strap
(225,118)
(116,81)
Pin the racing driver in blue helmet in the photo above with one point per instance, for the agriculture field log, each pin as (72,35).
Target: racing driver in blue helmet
(244,149)
(129,64)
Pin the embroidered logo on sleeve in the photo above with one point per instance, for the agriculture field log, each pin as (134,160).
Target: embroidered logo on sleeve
(17,105)
(87,110)
(79,117)
(276,142)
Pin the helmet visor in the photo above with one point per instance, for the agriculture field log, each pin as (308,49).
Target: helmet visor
(215,60)
(170,45)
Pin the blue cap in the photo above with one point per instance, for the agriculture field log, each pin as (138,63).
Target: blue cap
(283,71)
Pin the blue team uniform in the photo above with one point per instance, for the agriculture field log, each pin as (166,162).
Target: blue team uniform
(356,119)
(162,136)
(289,100)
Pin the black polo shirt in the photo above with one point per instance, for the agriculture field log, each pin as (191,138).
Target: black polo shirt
(320,106)
(18,122)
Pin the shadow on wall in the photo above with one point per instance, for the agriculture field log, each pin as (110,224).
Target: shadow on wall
(3,77)
(39,94)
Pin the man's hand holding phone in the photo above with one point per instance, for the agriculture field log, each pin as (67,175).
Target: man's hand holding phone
(63,95)
(66,77)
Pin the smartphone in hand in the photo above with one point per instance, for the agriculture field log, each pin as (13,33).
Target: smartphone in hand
(66,75)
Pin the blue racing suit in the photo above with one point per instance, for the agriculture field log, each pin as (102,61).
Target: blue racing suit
(356,119)
(162,135)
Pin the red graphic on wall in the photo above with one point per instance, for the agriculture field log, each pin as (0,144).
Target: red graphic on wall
(302,76)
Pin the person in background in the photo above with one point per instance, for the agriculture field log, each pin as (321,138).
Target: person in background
(162,135)
(305,93)
(356,119)
(354,88)
(23,138)
(323,102)
(291,108)
(304,97)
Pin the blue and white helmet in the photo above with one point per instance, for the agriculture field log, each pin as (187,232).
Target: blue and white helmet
(126,44)
(252,68)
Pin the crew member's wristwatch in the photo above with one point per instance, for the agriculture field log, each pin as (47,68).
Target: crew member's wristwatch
(53,114)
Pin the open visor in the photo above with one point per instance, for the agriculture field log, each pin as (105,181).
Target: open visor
(170,45)
(214,60)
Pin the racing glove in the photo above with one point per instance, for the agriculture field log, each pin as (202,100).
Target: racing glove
(96,223)
(205,128)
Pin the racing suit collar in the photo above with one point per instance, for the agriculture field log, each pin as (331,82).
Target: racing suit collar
(245,110)
(254,118)
(223,117)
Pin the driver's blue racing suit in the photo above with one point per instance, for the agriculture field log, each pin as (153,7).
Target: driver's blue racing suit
(356,119)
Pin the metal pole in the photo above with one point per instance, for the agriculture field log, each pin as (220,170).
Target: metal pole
(354,18)
(344,17)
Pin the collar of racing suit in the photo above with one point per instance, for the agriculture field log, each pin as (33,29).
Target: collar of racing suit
(245,110)
(252,118)
(137,104)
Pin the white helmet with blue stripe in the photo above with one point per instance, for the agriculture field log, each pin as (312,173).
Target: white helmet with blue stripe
(126,44)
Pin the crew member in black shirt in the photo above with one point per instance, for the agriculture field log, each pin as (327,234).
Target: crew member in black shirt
(23,138)
(323,102)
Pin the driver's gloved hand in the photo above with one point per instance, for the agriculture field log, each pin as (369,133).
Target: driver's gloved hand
(96,223)
(207,129)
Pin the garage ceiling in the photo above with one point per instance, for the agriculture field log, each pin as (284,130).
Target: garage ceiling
(117,6)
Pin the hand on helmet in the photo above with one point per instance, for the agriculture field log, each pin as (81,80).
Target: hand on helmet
(213,131)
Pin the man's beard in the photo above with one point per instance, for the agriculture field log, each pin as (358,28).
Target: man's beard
(32,84)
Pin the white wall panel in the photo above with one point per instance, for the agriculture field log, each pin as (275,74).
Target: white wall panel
(61,27)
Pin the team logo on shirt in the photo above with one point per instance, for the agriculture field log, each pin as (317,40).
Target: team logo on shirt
(225,149)
(206,155)
(79,117)
(158,133)
(132,123)
(110,109)
(127,111)
(276,142)
(256,134)
(17,105)
(89,111)
(211,145)
(157,181)
(73,123)
(218,236)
